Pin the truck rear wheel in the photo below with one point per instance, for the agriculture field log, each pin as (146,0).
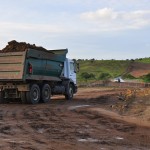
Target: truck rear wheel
(69,95)
(33,96)
(46,93)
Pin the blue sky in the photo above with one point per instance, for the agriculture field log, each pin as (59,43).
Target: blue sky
(100,29)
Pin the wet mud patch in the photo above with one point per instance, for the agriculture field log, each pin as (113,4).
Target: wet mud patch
(6,130)
(39,141)
(39,127)
(31,115)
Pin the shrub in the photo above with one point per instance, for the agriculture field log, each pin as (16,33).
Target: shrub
(104,76)
(87,76)
(146,78)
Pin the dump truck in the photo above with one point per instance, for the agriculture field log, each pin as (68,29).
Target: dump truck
(33,76)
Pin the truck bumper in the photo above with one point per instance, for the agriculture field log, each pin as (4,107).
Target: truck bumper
(23,87)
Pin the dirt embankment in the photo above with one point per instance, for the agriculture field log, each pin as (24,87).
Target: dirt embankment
(14,46)
(138,69)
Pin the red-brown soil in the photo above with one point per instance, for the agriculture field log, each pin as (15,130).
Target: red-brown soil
(138,69)
(97,118)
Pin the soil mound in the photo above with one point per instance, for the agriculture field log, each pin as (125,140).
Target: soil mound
(14,46)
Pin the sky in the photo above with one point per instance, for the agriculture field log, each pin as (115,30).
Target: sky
(99,29)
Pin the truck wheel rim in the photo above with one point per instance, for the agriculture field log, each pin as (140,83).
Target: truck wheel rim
(35,95)
(70,92)
(46,95)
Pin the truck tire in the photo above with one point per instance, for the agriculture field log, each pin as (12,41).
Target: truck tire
(69,94)
(46,93)
(33,96)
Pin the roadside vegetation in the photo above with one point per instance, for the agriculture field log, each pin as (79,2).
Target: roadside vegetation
(146,78)
(143,60)
(95,70)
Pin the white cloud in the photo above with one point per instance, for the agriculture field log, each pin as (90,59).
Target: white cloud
(101,14)
(108,19)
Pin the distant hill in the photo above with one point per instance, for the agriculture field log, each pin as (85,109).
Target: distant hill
(113,68)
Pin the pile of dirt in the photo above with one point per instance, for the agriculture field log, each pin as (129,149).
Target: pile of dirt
(14,46)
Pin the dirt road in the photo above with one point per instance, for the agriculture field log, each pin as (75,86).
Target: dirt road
(91,122)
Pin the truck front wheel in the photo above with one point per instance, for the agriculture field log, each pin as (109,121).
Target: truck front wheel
(69,94)
(46,93)
(33,96)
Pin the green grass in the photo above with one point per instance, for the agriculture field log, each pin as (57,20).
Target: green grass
(113,67)
(143,60)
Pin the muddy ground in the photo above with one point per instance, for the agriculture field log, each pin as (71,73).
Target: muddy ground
(97,119)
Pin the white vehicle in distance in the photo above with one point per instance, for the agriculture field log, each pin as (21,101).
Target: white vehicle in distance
(118,79)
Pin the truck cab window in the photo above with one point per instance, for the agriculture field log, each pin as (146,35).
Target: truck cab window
(72,67)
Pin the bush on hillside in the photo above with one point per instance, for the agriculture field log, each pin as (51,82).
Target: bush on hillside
(104,76)
(87,76)
(146,78)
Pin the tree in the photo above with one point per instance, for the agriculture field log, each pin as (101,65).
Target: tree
(92,60)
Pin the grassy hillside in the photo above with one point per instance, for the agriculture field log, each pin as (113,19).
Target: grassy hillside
(143,60)
(97,67)
(94,70)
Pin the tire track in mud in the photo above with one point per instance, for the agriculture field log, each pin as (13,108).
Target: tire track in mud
(131,133)
(107,121)
(15,128)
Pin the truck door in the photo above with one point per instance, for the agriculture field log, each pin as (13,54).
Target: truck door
(69,70)
(72,72)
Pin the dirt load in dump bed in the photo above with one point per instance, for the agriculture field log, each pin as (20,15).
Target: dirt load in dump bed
(14,46)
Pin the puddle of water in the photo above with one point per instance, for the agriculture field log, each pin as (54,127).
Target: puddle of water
(13,141)
(19,142)
(40,130)
(119,138)
(88,140)
(6,139)
(78,106)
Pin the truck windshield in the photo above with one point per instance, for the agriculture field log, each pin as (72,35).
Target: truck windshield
(74,67)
